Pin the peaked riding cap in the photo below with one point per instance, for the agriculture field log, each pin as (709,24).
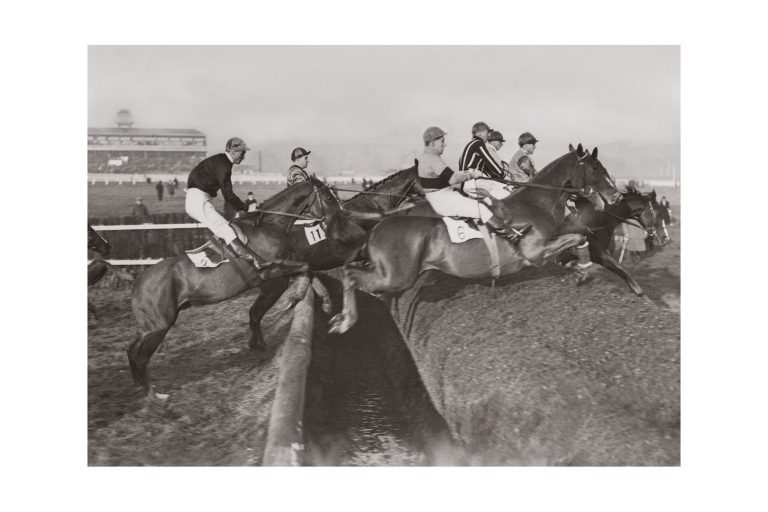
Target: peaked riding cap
(527,138)
(236,144)
(433,133)
(298,153)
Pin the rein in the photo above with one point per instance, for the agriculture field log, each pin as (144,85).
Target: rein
(285,214)
(373,193)
(585,191)
(631,222)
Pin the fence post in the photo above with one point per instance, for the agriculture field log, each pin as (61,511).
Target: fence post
(285,437)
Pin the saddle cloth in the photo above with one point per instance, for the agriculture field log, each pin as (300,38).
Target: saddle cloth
(214,252)
(313,230)
(459,231)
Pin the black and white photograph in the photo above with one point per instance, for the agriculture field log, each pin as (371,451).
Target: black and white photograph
(394,256)
(346,267)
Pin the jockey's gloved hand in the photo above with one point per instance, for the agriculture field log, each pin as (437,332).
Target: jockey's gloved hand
(475,173)
(239,213)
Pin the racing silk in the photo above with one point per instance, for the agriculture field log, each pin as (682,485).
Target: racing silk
(434,174)
(213,174)
(521,166)
(477,156)
(296,175)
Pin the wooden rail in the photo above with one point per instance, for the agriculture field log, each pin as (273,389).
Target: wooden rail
(285,437)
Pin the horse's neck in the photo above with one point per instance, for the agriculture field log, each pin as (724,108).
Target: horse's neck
(286,202)
(369,202)
(555,174)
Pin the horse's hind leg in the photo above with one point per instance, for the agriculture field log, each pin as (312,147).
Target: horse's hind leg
(139,354)
(270,291)
(155,303)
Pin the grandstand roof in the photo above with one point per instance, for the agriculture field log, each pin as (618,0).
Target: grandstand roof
(144,132)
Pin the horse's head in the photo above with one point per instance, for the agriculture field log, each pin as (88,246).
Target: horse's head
(97,243)
(593,179)
(323,201)
(645,209)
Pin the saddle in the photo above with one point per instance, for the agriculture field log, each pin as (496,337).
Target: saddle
(215,251)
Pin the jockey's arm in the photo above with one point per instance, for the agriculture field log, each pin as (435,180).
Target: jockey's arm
(229,194)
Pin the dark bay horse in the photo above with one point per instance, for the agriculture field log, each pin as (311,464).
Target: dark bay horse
(349,229)
(598,227)
(401,248)
(173,284)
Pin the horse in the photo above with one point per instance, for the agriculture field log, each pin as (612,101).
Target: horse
(401,248)
(598,227)
(98,268)
(349,224)
(175,283)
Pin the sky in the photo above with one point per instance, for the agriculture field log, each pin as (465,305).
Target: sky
(368,98)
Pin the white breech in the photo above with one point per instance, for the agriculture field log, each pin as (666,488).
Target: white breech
(496,189)
(199,206)
(450,203)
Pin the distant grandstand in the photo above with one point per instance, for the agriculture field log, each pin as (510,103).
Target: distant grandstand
(129,150)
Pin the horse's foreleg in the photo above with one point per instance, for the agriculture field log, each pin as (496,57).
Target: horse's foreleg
(612,265)
(343,321)
(322,292)
(539,253)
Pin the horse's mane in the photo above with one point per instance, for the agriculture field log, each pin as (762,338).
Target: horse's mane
(382,182)
(552,164)
(280,195)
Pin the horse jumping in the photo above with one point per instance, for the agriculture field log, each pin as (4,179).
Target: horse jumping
(401,248)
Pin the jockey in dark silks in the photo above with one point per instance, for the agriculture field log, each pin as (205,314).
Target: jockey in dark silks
(206,179)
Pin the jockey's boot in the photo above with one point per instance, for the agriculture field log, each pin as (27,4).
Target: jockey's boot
(501,228)
(242,251)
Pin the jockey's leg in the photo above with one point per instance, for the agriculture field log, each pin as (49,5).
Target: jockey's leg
(452,204)
(198,205)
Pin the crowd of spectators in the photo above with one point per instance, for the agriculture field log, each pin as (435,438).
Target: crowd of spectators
(139,163)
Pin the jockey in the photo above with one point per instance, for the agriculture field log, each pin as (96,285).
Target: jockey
(495,141)
(476,155)
(436,178)
(521,165)
(297,172)
(206,179)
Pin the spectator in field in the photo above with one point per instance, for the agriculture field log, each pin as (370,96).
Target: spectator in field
(521,166)
(171,188)
(206,179)
(159,188)
(666,210)
(140,216)
(297,172)
(251,200)
(140,212)
(175,182)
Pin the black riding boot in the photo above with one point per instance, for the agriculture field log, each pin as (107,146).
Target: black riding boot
(244,252)
(501,228)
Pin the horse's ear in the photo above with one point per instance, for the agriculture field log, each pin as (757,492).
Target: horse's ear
(580,149)
(570,147)
(594,153)
(653,194)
